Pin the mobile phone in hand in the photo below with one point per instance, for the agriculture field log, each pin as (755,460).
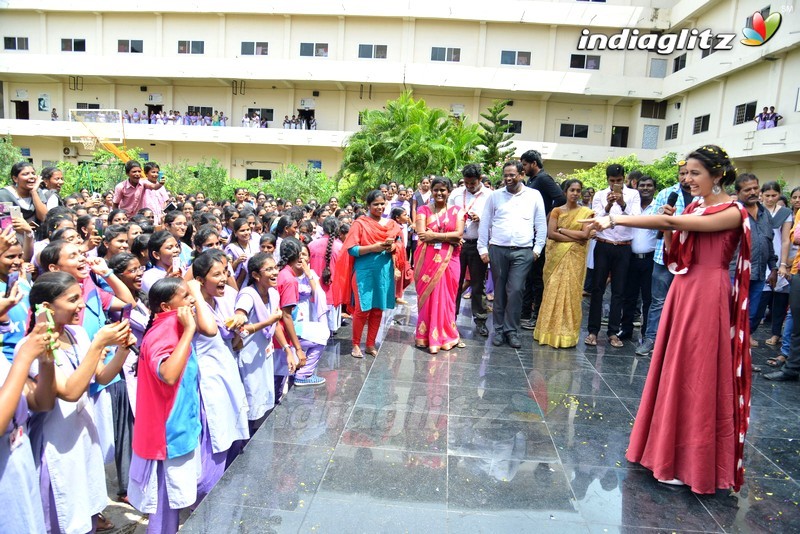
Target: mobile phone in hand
(125,314)
(5,222)
(161,178)
(16,212)
(13,277)
(176,264)
(98,225)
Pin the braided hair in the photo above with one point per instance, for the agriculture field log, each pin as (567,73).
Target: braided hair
(47,288)
(290,251)
(330,228)
(162,291)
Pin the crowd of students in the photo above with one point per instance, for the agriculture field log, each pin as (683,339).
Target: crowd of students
(159,343)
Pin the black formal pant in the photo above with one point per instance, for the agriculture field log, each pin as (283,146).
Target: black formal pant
(534,288)
(471,261)
(638,282)
(613,260)
(792,366)
(510,267)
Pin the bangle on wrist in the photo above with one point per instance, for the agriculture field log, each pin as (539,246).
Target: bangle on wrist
(107,273)
(784,265)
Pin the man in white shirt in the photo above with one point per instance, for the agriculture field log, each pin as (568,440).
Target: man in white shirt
(471,198)
(511,235)
(640,271)
(612,253)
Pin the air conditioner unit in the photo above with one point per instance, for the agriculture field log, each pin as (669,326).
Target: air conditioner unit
(69,151)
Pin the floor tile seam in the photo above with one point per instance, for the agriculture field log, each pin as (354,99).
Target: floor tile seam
(713,518)
(658,530)
(388,504)
(773,463)
(561,464)
(389,326)
(792,409)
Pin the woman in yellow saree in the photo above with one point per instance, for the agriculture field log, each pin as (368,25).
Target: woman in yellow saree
(564,270)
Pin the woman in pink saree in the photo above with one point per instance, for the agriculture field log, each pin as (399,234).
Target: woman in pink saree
(436,269)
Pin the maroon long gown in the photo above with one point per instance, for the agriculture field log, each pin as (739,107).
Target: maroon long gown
(688,423)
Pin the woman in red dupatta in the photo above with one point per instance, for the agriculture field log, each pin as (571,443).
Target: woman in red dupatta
(695,407)
(437,268)
(364,277)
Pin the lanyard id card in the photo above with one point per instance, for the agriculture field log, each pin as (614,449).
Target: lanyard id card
(15,437)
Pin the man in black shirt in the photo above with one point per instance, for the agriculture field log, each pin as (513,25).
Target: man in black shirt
(553,197)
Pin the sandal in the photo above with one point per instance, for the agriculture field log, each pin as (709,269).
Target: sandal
(356,352)
(103,524)
(773,341)
(461,344)
(777,361)
(372,351)
(615,342)
(591,340)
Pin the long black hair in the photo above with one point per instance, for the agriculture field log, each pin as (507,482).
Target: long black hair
(256,263)
(162,291)
(155,243)
(290,251)
(47,288)
(205,261)
(330,227)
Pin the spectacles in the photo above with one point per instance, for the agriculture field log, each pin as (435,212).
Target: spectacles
(138,270)
(510,175)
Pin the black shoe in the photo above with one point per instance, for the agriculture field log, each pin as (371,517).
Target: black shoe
(781,376)
(481,329)
(625,335)
(528,324)
(498,340)
(513,341)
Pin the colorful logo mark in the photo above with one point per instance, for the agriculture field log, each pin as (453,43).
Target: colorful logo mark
(762,30)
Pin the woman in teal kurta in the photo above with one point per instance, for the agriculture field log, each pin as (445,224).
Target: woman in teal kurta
(364,277)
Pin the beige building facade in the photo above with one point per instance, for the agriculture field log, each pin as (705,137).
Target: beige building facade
(333,61)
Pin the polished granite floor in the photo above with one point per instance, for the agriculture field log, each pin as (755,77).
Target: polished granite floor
(486,439)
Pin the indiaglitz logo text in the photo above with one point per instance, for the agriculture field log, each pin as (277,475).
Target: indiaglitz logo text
(661,43)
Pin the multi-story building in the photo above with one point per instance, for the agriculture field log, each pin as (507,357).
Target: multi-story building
(331,60)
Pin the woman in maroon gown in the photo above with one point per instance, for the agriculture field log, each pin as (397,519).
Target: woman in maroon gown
(695,407)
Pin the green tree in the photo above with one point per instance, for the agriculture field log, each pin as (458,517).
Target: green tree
(403,142)
(9,155)
(100,174)
(292,182)
(495,138)
(664,170)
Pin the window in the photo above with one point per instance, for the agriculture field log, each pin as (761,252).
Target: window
(258,174)
(658,68)
(315,164)
(583,61)
(202,110)
(73,45)
(514,127)
(619,136)
(134,46)
(672,132)
(368,51)
(266,114)
(744,113)
(83,105)
(513,57)
(679,63)
(440,53)
(15,43)
(764,14)
(191,47)
(257,48)
(574,130)
(653,110)
(701,124)
(314,49)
